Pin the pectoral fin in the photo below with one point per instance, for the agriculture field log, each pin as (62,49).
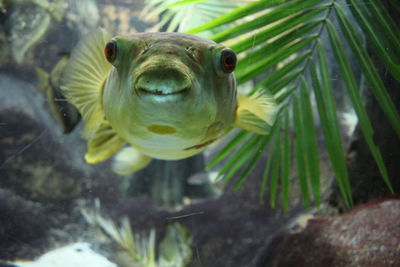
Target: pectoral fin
(129,160)
(256,113)
(84,76)
(105,143)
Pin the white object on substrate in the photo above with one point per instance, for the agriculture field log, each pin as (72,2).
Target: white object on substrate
(74,255)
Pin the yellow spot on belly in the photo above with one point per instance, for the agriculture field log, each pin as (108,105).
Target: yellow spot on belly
(161,129)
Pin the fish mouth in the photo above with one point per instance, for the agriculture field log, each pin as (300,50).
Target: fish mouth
(162,96)
(163,84)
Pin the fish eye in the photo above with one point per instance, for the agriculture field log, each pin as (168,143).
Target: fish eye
(110,51)
(228,60)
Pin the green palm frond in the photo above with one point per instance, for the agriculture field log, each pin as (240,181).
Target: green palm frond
(286,47)
(182,15)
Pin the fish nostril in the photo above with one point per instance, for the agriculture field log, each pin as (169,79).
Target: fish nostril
(186,89)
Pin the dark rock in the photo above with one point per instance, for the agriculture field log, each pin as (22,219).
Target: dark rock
(367,236)
(28,163)
(15,212)
(43,177)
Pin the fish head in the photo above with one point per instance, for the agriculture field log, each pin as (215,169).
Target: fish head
(170,84)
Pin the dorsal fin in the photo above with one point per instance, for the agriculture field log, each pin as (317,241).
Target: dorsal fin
(84,77)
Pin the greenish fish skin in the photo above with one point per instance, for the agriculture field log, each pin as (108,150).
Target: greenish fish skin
(170,81)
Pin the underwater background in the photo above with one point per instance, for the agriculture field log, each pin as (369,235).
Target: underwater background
(178,213)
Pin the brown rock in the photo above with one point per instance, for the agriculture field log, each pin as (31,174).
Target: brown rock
(367,236)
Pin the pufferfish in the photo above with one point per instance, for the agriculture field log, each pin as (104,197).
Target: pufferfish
(157,95)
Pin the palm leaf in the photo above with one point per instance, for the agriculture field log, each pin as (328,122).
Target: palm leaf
(276,165)
(236,14)
(253,161)
(354,93)
(283,46)
(274,16)
(329,123)
(285,159)
(300,151)
(182,15)
(310,144)
(377,36)
(375,82)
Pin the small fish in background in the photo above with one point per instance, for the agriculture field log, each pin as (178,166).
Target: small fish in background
(65,113)
(165,95)
(74,255)
(26,22)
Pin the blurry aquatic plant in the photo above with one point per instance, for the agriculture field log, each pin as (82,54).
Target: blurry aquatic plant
(141,248)
(173,251)
(25,22)
(180,15)
(294,42)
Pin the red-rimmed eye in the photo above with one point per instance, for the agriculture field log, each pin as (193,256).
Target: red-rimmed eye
(110,51)
(228,60)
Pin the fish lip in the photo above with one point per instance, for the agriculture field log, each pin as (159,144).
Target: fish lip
(160,97)
(144,91)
